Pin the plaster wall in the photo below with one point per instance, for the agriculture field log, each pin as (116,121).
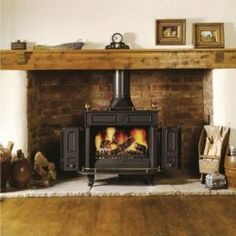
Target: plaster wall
(54,22)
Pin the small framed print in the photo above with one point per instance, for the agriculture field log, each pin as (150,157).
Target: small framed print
(171,32)
(208,35)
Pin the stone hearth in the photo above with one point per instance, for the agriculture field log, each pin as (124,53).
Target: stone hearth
(110,185)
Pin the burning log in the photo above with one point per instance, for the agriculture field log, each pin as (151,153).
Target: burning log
(141,148)
(132,152)
(122,147)
(105,144)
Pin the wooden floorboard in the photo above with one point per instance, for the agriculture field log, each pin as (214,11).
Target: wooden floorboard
(128,216)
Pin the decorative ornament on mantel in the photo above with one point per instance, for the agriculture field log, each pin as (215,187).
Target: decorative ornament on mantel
(23,45)
(77,45)
(117,42)
(18,45)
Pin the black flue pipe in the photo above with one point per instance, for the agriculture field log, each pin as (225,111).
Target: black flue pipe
(121,91)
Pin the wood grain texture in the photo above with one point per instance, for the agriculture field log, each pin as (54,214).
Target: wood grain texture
(117,59)
(128,216)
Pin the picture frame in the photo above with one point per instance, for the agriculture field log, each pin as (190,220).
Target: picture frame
(171,32)
(208,35)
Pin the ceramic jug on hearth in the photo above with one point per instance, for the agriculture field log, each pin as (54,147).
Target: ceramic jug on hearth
(20,171)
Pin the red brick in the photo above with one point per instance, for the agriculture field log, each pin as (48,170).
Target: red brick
(57,99)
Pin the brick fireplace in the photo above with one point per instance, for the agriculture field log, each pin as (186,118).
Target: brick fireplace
(56,99)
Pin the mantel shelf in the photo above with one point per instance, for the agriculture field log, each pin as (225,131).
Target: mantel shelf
(132,59)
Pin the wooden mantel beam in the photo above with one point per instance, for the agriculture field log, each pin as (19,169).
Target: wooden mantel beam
(132,59)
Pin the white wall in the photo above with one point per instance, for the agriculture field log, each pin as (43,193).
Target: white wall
(53,22)
(13,120)
(224,100)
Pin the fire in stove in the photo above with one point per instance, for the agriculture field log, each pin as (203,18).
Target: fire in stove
(117,143)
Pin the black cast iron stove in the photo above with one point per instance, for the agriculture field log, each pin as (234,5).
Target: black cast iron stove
(121,140)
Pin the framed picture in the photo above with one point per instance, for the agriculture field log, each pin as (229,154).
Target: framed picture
(208,35)
(171,32)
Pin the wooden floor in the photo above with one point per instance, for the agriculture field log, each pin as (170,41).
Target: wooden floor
(154,215)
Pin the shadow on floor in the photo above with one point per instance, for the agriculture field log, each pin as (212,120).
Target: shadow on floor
(177,177)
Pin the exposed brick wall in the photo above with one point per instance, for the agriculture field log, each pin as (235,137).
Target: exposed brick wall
(208,98)
(56,99)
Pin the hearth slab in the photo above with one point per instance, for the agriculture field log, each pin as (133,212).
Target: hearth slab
(113,185)
(71,187)
(128,186)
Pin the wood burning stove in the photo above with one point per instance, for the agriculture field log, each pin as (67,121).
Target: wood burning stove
(121,140)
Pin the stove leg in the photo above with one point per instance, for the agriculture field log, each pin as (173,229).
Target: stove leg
(121,177)
(90,180)
(149,179)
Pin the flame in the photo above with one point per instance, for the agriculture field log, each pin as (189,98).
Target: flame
(110,133)
(139,136)
(98,141)
(117,137)
(120,137)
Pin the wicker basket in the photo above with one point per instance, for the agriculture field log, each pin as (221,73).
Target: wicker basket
(211,164)
(208,166)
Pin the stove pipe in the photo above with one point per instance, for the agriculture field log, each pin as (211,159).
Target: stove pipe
(121,91)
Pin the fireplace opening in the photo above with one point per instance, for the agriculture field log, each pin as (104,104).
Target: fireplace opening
(121,143)
(56,100)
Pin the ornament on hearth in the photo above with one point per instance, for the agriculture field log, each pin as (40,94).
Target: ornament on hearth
(5,160)
(45,170)
(5,153)
(20,171)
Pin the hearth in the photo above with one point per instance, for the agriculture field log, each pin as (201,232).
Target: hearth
(121,140)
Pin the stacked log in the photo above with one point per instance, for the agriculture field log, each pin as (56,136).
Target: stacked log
(121,149)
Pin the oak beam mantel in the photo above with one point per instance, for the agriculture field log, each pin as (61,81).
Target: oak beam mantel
(132,59)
